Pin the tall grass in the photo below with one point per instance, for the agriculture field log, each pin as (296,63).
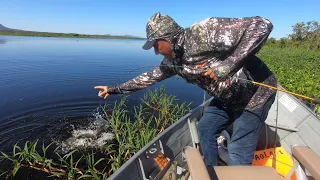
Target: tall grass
(132,130)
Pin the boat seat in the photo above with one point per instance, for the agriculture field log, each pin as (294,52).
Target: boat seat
(198,170)
(246,172)
(309,159)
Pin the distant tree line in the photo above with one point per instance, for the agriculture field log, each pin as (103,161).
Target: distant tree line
(67,35)
(304,35)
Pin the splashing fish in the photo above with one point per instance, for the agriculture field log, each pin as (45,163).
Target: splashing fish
(95,135)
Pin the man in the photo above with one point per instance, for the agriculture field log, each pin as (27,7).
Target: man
(216,54)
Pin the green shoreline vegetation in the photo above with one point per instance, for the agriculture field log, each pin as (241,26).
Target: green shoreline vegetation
(294,60)
(64,35)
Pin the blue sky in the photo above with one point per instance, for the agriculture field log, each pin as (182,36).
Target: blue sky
(129,17)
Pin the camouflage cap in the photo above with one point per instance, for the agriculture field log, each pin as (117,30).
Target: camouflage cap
(160,27)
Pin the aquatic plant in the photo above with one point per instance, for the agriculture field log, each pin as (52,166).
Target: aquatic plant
(132,130)
(65,165)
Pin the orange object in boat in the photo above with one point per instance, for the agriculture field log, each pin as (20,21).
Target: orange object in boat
(161,160)
(283,160)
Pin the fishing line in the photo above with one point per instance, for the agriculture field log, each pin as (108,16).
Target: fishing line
(213,82)
(314,100)
(275,134)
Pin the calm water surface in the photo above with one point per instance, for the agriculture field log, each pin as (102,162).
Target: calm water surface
(47,83)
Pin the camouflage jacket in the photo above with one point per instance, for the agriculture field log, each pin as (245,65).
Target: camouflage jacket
(228,46)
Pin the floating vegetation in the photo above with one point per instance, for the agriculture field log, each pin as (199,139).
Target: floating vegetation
(297,70)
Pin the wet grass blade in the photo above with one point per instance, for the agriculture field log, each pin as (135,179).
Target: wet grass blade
(94,174)
(15,170)
(5,156)
(15,148)
(100,160)
(3,173)
(57,175)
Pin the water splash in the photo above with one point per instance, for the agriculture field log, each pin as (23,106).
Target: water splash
(95,135)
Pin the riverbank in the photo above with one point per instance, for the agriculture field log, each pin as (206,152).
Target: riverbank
(65,35)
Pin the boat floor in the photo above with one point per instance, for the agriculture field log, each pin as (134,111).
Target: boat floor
(297,124)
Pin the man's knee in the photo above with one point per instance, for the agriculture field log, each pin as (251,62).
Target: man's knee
(211,124)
